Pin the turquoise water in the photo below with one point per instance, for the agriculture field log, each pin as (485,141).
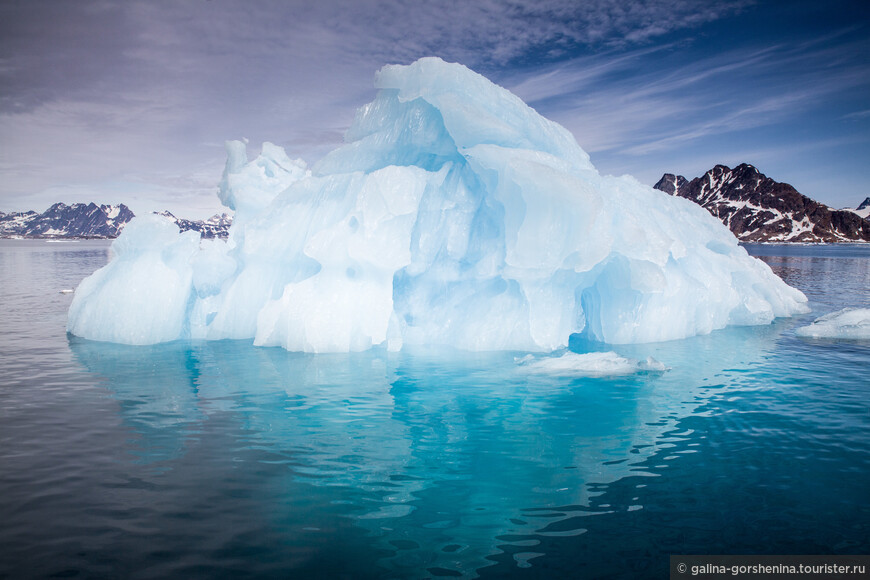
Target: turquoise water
(202,460)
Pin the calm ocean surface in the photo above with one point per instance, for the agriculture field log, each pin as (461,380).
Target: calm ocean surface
(221,460)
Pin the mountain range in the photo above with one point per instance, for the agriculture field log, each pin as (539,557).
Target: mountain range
(758,209)
(755,207)
(217,226)
(90,220)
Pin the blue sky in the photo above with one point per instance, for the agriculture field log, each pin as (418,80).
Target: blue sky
(131,101)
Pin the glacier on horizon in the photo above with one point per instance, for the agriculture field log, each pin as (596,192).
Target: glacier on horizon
(453,215)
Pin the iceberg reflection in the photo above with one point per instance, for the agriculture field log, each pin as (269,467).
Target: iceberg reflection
(444,460)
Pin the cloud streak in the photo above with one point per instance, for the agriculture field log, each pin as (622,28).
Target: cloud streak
(629,104)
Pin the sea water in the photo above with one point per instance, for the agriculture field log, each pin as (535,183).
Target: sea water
(220,459)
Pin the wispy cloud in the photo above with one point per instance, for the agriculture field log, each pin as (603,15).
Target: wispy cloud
(50,48)
(649,99)
(100,91)
(865,114)
(765,112)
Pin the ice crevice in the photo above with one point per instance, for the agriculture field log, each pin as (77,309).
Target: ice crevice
(453,215)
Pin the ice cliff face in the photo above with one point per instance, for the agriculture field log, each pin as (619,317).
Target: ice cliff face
(453,215)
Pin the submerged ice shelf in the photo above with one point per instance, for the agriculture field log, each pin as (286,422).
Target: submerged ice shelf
(453,215)
(590,364)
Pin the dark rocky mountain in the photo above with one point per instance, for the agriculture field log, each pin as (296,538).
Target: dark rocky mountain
(81,220)
(758,209)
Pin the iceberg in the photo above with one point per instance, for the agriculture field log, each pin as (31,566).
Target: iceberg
(454,214)
(852,323)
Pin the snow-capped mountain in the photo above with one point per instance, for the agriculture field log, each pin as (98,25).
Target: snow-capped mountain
(862,210)
(758,209)
(217,226)
(78,220)
(81,220)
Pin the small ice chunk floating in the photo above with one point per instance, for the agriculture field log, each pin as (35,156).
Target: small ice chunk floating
(454,215)
(852,323)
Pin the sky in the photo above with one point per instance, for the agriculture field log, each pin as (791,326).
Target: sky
(131,102)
